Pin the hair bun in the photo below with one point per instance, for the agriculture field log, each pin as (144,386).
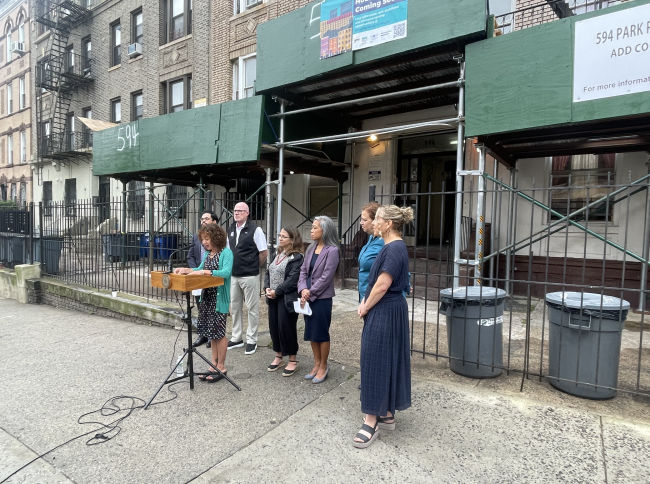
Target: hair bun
(407,214)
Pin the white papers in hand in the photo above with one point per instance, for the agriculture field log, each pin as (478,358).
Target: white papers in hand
(306,310)
(196,292)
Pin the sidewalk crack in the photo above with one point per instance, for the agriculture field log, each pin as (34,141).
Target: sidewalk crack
(602,444)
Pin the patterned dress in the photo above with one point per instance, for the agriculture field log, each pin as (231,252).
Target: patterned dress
(211,324)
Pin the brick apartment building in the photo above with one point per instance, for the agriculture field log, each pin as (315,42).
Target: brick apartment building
(167,71)
(15,102)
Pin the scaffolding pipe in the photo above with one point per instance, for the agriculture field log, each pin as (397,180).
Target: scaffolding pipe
(280,166)
(646,241)
(151,231)
(460,161)
(511,197)
(267,190)
(340,211)
(379,97)
(480,217)
(493,215)
(351,199)
(364,134)
(123,227)
(571,222)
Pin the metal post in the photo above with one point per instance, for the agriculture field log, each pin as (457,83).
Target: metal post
(351,198)
(480,217)
(31,232)
(371,192)
(202,197)
(460,163)
(280,165)
(123,226)
(151,230)
(340,211)
(493,217)
(40,235)
(267,191)
(510,223)
(646,249)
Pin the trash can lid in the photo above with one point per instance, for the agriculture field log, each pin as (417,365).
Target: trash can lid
(473,293)
(587,300)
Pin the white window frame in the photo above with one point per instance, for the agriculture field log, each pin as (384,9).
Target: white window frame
(10,99)
(8,45)
(23,147)
(239,6)
(21,93)
(238,81)
(10,149)
(21,31)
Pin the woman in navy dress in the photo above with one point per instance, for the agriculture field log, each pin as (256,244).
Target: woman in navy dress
(385,348)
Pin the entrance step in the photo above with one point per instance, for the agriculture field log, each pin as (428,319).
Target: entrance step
(351,283)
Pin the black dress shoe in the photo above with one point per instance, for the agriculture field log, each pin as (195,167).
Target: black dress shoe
(199,341)
(208,344)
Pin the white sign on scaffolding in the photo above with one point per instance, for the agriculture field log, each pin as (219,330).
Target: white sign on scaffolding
(612,55)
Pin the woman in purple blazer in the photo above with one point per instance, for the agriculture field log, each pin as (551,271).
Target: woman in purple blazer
(316,285)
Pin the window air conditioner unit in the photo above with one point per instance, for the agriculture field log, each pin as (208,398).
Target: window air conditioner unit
(253,3)
(18,48)
(135,50)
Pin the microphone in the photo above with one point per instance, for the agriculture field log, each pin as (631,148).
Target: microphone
(169,262)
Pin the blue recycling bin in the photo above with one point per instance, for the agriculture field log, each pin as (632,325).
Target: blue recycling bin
(164,246)
(144,246)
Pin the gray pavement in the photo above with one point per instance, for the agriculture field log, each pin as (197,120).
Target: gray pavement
(60,364)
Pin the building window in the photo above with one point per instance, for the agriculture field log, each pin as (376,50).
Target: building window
(10,99)
(88,134)
(69,132)
(243,77)
(45,138)
(176,196)
(3,193)
(116,44)
(10,149)
(179,19)
(8,34)
(243,5)
(116,110)
(136,105)
(47,198)
(69,59)
(70,197)
(178,94)
(136,22)
(579,180)
(135,199)
(22,194)
(22,101)
(21,31)
(23,147)
(42,7)
(13,192)
(86,54)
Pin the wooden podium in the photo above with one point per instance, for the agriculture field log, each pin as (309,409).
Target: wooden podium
(186,283)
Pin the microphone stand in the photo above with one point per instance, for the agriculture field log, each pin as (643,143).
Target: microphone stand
(190,350)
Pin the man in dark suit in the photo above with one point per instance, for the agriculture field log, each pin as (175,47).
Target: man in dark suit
(195,256)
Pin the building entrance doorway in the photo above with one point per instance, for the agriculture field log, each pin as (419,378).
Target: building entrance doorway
(426,165)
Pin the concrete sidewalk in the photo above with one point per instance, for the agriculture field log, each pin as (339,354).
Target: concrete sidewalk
(59,364)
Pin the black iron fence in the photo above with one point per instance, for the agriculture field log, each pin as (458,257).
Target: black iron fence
(114,244)
(570,233)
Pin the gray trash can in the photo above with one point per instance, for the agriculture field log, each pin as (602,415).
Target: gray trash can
(585,342)
(474,330)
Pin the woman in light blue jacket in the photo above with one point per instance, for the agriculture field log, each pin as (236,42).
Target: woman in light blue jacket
(215,301)
(369,251)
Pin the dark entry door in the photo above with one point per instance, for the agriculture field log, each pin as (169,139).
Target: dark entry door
(104,198)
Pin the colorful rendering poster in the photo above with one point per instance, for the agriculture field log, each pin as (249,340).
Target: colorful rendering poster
(356,24)
(378,21)
(335,27)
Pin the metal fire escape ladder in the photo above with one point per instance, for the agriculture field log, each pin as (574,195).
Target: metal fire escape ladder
(50,78)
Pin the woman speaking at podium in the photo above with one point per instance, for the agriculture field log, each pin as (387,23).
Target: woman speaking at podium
(215,301)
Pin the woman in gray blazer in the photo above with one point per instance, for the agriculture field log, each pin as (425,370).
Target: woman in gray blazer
(316,286)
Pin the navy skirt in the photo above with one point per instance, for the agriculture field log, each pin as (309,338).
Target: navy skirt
(317,326)
(386,357)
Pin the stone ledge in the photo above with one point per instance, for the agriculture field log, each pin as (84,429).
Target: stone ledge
(130,308)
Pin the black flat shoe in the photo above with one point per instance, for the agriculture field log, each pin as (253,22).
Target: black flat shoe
(216,377)
(200,340)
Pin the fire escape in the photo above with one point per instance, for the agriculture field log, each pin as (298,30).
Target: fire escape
(58,75)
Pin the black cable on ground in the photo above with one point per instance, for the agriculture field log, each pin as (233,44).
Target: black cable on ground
(105,432)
